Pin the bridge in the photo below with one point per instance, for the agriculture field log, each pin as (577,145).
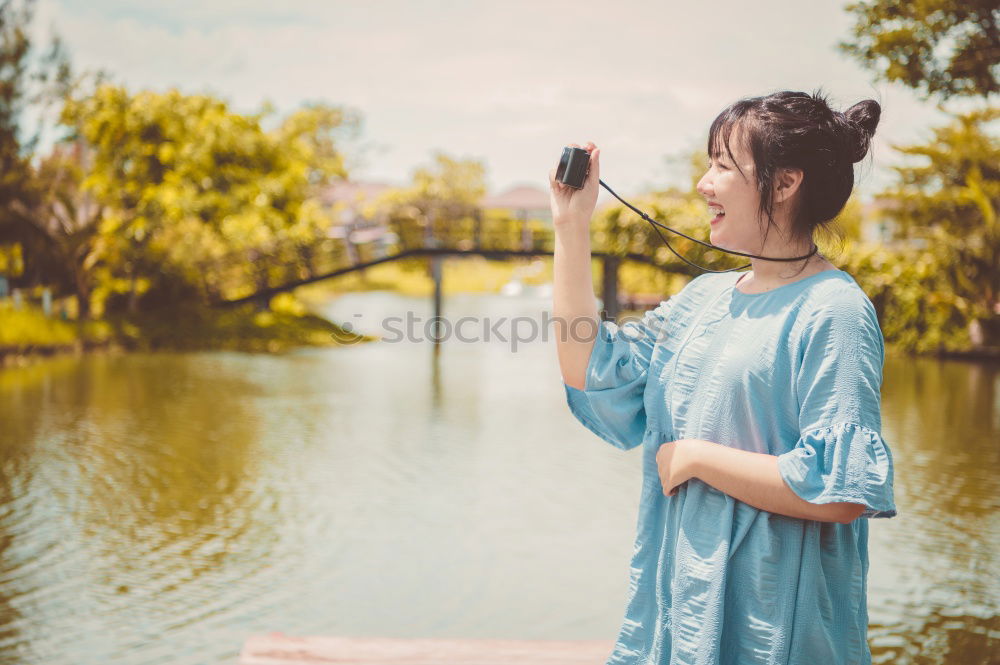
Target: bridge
(362,245)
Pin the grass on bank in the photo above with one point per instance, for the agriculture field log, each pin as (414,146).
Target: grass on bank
(185,328)
(27,328)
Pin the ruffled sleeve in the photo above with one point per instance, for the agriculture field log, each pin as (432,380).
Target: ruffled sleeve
(844,462)
(840,454)
(611,404)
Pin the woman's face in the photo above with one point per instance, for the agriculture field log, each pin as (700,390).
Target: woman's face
(732,198)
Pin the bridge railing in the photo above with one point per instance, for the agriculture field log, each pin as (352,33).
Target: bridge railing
(358,246)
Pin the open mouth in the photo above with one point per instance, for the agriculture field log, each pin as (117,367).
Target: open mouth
(718,214)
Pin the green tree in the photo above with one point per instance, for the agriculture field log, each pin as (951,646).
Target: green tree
(29,78)
(939,47)
(449,189)
(442,200)
(944,291)
(201,201)
(948,202)
(69,218)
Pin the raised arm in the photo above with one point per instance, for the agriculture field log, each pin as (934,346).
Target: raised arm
(574,307)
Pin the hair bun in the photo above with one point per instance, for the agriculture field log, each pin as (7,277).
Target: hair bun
(862,120)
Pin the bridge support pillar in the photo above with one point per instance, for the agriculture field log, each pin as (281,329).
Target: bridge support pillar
(437,275)
(262,303)
(609,287)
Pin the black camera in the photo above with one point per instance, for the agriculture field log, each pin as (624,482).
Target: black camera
(573,167)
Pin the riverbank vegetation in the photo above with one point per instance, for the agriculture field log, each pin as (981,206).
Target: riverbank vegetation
(286,324)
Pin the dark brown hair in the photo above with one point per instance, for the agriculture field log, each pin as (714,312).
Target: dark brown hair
(800,131)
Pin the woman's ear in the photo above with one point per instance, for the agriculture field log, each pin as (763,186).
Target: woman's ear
(786,182)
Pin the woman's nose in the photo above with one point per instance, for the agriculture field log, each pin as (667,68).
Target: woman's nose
(704,186)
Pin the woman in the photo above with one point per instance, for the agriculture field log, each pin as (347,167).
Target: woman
(755,396)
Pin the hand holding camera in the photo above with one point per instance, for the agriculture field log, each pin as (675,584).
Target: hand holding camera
(572,206)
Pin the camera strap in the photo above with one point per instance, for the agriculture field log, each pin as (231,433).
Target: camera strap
(656,224)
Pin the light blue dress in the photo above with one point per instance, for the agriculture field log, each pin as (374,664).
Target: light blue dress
(794,372)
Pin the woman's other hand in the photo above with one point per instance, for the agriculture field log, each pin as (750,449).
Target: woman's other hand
(575,207)
(675,462)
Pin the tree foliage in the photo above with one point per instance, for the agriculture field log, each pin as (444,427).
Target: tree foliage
(201,201)
(938,285)
(29,78)
(939,47)
(442,200)
(946,205)
(448,189)
(68,217)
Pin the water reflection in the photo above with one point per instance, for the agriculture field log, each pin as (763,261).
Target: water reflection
(127,479)
(161,507)
(935,579)
(28,544)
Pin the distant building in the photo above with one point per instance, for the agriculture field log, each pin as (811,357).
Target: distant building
(351,223)
(522,202)
(353,194)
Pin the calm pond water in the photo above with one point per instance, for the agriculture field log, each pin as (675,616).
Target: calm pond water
(160,508)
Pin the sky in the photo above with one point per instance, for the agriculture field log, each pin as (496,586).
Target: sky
(507,83)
